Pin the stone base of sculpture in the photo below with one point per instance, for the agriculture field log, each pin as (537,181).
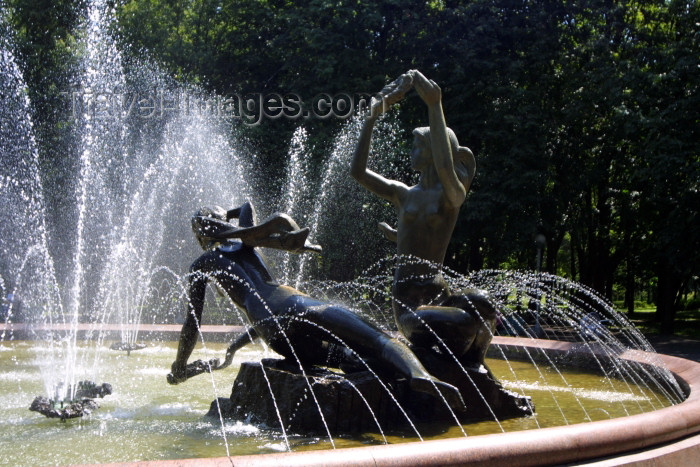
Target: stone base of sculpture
(354,402)
(484,395)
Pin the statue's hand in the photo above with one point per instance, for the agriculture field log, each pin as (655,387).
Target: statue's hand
(183,373)
(178,373)
(392,93)
(426,88)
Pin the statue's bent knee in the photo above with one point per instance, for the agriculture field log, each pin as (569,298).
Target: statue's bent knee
(462,325)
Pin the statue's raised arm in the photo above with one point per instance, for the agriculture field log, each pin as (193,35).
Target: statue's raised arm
(454,189)
(390,190)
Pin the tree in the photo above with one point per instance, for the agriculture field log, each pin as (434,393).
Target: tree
(668,145)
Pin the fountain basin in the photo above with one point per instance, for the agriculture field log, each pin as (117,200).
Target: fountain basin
(668,436)
(178,429)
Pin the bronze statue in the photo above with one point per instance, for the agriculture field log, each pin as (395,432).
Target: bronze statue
(425,309)
(302,329)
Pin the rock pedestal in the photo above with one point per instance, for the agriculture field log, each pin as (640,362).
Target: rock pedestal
(485,397)
(350,403)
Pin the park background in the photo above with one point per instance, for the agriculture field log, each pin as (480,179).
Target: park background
(583,117)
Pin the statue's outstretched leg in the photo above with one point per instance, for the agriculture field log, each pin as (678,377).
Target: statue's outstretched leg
(348,329)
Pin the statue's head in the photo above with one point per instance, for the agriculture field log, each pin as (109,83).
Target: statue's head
(204,230)
(424,134)
(462,156)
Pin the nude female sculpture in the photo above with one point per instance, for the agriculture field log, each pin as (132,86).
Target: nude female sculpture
(298,327)
(425,309)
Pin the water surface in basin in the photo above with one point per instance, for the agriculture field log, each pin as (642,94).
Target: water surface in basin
(146,419)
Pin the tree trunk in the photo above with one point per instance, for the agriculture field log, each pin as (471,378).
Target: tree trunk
(629,291)
(572,250)
(667,291)
(604,270)
(553,245)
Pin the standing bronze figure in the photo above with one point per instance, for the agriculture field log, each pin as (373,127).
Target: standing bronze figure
(425,309)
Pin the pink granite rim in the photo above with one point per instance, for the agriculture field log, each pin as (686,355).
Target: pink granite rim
(546,446)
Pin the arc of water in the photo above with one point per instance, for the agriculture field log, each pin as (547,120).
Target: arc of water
(272,396)
(332,165)
(343,294)
(625,369)
(102,67)
(454,416)
(464,372)
(588,345)
(542,378)
(458,363)
(556,303)
(634,337)
(605,341)
(301,368)
(539,290)
(557,371)
(334,176)
(137,279)
(374,417)
(21,191)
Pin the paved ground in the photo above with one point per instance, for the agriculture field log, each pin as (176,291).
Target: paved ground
(676,346)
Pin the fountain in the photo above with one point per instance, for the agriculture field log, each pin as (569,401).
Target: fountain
(119,256)
(110,281)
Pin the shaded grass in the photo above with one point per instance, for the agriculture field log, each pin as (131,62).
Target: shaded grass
(687,322)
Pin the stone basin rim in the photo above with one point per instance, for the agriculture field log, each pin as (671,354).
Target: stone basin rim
(543,446)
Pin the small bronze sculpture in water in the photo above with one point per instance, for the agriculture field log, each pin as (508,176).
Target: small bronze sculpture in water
(81,404)
(304,330)
(127,347)
(426,311)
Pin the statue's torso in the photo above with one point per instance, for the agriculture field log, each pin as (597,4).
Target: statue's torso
(241,273)
(426,223)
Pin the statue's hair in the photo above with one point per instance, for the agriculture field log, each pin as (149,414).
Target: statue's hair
(204,231)
(462,156)
(216,212)
(424,132)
